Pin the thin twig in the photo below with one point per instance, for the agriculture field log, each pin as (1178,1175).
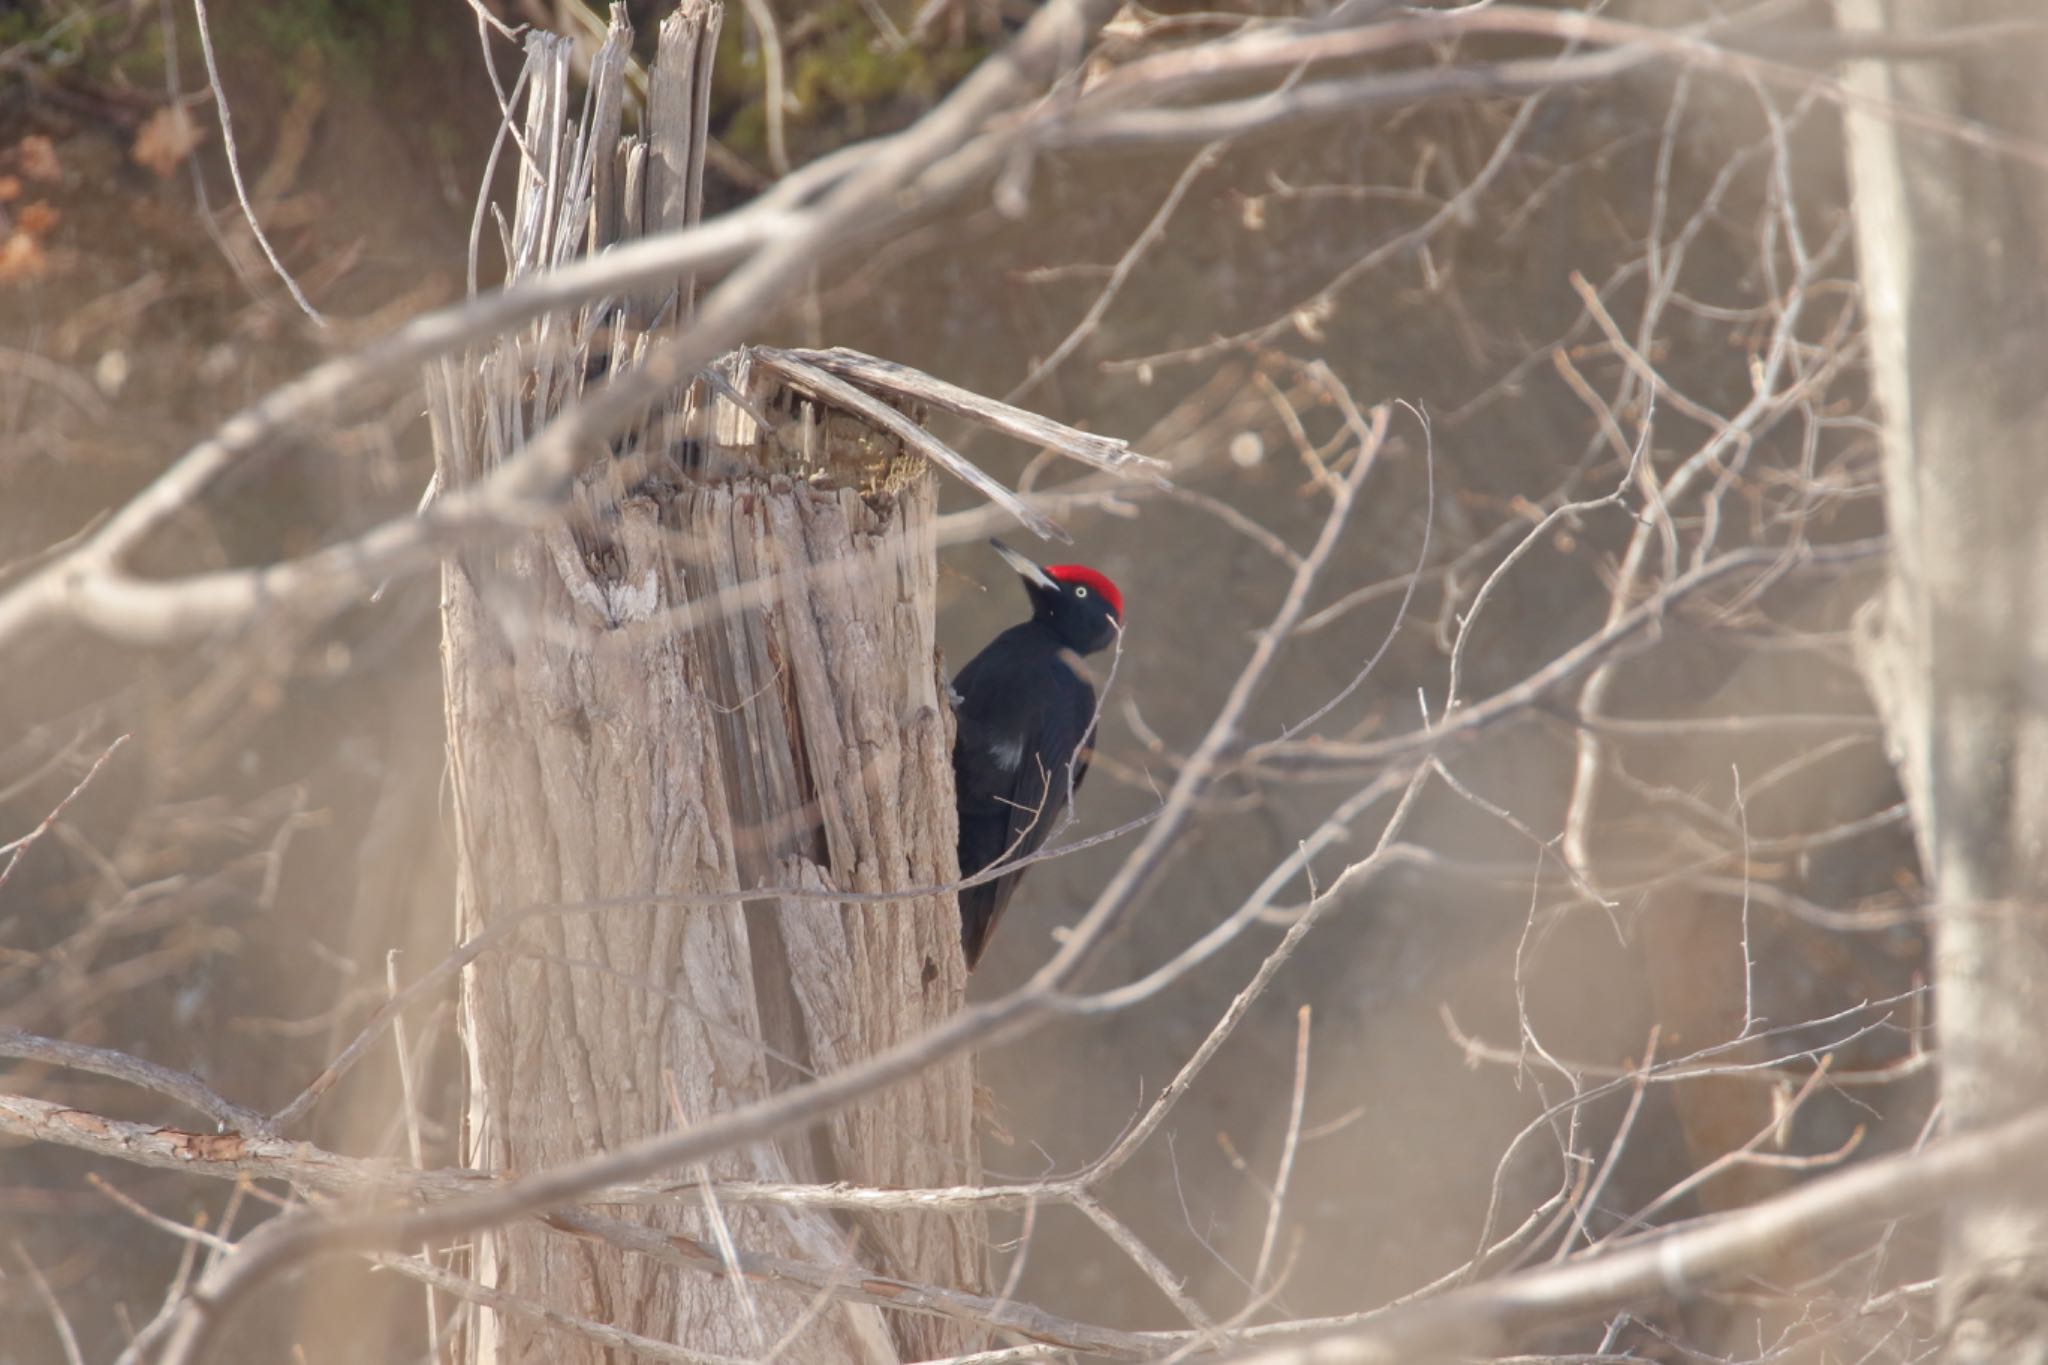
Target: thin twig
(1288,1146)
(227,137)
(763,18)
(1118,277)
(603,1334)
(1614,1149)
(1485,1320)
(186,1089)
(67,1337)
(18,849)
(1336,759)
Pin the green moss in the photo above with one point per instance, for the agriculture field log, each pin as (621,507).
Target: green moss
(66,37)
(438,47)
(100,44)
(852,69)
(445,140)
(844,83)
(142,63)
(347,37)
(20,28)
(746,131)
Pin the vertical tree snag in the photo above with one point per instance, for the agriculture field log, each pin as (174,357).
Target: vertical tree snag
(715,672)
(1952,247)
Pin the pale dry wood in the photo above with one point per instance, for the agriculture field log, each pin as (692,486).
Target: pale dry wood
(832,389)
(678,97)
(886,376)
(616,729)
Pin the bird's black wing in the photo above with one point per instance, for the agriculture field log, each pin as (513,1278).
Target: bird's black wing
(1010,769)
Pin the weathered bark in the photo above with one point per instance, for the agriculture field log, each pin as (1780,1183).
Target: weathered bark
(716,672)
(1953,244)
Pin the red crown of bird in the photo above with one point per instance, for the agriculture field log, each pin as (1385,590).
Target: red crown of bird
(1092,578)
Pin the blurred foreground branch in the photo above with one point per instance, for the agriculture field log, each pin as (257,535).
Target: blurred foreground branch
(818,215)
(1489,1319)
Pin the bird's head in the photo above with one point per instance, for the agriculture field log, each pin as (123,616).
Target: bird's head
(1080,604)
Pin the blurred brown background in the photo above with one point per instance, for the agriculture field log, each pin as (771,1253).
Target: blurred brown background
(223,897)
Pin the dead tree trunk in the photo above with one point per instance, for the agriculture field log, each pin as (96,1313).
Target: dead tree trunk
(1953,246)
(717,672)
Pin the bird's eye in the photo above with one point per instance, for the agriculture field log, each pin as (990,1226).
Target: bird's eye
(1080,592)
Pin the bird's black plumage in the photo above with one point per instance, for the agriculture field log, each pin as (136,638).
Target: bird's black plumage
(1026,712)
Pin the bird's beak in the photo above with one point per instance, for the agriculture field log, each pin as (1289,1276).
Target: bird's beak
(1032,573)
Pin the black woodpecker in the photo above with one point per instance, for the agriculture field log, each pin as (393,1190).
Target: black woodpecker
(1026,712)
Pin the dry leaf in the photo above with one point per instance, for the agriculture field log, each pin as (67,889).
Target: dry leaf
(37,156)
(21,258)
(38,218)
(164,142)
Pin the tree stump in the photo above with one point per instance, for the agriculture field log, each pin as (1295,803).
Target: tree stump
(716,672)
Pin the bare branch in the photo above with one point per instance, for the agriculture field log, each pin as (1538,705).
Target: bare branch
(235,1156)
(1325,758)
(17,849)
(186,1089)
(227,137)
(1488,1319)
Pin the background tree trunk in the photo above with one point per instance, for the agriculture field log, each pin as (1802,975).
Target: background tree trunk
(717,673)
(1952,246)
